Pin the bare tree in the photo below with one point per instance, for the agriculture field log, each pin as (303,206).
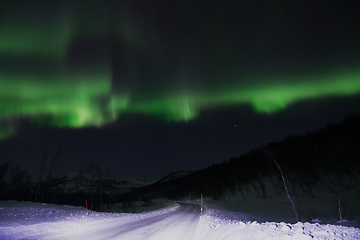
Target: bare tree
(93,169)
(42,169)
(333,184)
(4,169)
(42,187)
(52,169)
(20,183)
(283,178)
(111,190)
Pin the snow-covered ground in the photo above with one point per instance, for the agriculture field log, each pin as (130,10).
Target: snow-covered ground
(217,223)
(26,220)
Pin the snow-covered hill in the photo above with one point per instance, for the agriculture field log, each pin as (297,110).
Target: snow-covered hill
(174,175)
(141,181)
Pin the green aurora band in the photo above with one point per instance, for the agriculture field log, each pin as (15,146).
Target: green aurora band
(73,102)
(37,85)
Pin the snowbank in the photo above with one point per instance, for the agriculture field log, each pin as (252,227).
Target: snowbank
(27,220)
(216,224)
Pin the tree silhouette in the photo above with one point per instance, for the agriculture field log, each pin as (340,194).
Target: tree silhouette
(283,178)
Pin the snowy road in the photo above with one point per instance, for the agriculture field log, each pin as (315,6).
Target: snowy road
(179,224)
(27,220)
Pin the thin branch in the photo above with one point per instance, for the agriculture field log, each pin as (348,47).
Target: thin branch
(283,178)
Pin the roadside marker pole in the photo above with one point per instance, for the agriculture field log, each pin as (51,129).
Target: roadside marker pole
(87,213)
(201,205)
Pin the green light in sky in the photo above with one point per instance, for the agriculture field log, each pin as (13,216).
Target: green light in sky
(7,130)
(269,97)
(278,96)
(27,39)
(71,100)
(80,100)
(42,87)
(49,31)
(86,100)
(175,107)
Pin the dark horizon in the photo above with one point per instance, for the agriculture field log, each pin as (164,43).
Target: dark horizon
(225,147)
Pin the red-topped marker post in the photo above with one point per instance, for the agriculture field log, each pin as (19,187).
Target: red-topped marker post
(87,213)
(201,205)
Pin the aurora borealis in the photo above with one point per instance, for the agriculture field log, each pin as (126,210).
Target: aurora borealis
(70,101)
(81,65)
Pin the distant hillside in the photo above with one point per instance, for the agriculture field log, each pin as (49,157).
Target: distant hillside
(174,176)
(322,161)
(141,181)
(85,182)
(102,192)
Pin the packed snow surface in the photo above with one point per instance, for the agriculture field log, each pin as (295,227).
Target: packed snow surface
(26,220)
(217,224)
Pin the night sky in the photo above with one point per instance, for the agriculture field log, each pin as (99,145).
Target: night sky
(145,88)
